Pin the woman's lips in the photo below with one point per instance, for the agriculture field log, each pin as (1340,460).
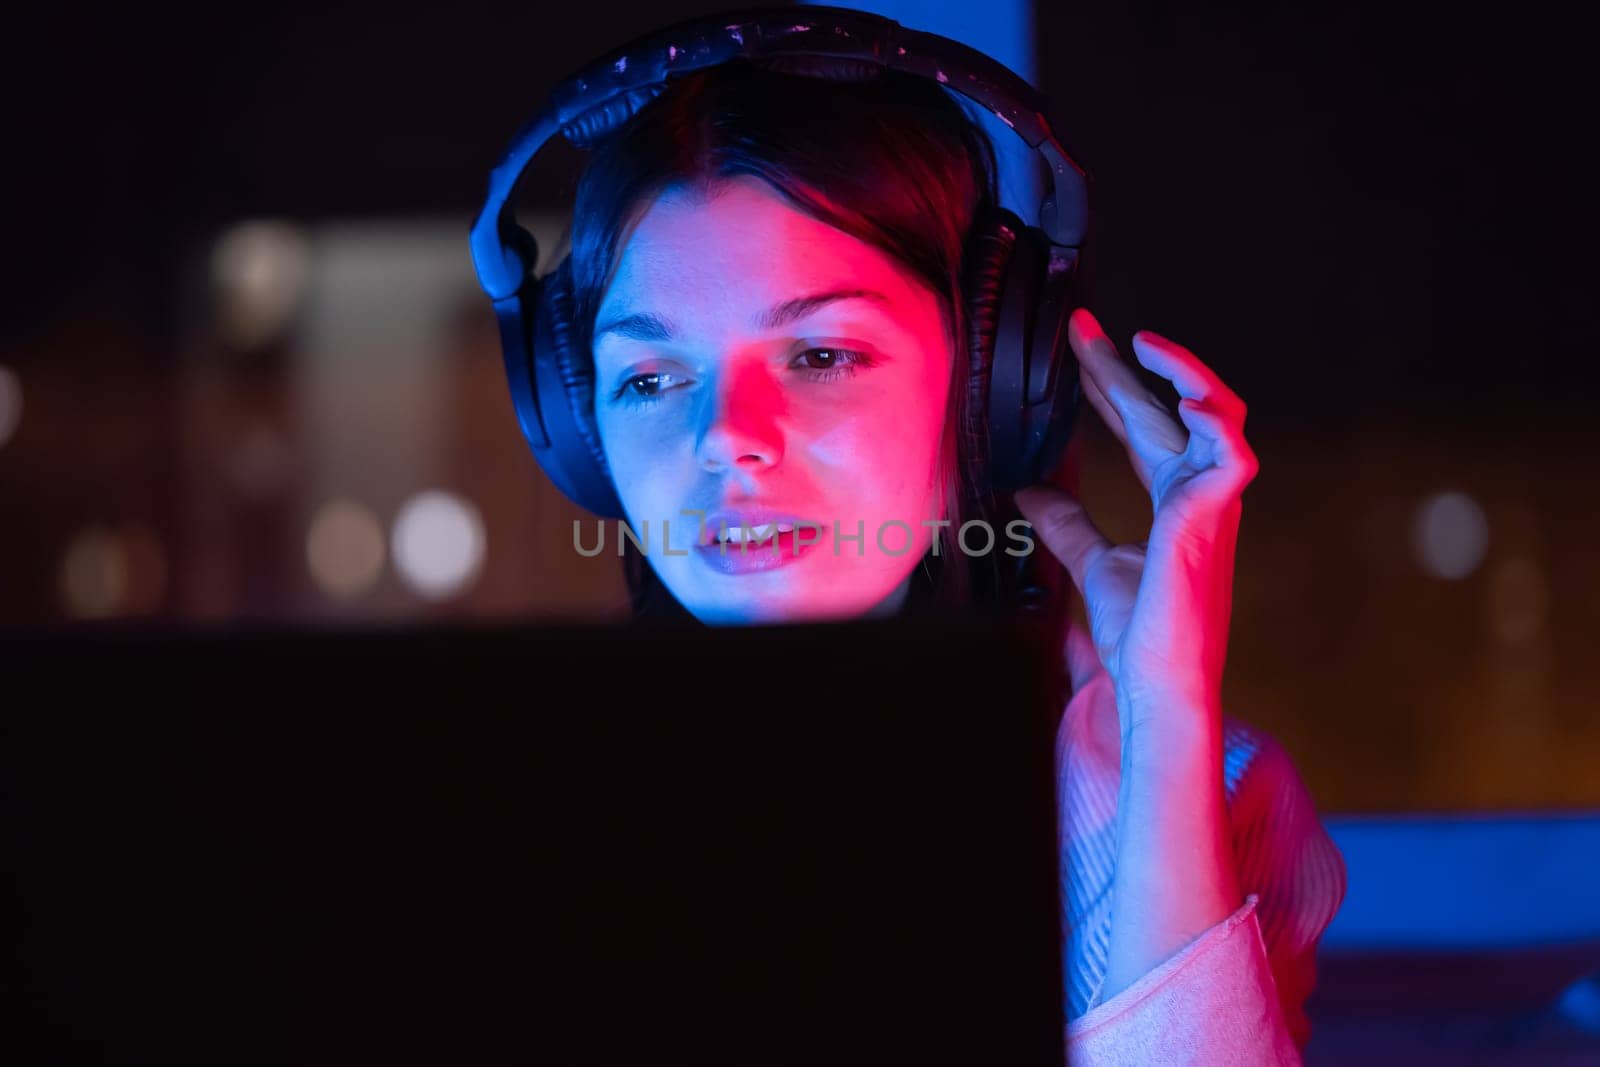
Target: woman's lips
(747,522)
(730,557)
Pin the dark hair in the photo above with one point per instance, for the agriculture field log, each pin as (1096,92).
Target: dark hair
(896,163)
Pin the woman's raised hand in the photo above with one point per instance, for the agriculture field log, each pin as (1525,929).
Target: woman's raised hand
(1158,610)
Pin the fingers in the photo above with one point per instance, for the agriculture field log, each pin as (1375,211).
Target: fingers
(1134,415)
(1064,527)
(1113,420)
(1208,432)
(1097,399)
(1192,378)
(1217,440)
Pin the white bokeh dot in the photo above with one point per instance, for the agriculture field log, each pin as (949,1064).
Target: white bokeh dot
(1449,534)
(438,544)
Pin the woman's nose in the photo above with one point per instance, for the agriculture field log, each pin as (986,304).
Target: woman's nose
(741,430)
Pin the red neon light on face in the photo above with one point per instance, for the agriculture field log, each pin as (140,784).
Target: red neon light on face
(833,412)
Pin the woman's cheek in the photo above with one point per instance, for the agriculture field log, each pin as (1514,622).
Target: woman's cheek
(643,465)
(847,459)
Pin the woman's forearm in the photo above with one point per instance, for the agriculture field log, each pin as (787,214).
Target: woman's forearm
(1158,613)
(1175,871)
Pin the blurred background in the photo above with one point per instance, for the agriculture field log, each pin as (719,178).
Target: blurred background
(247,375)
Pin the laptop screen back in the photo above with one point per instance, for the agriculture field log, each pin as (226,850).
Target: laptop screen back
(563,846)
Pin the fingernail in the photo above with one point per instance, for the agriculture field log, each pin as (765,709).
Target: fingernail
(1087,326)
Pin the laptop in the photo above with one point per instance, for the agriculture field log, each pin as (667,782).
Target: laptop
(531,844)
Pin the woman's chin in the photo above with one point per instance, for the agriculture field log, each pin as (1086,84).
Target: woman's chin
(789,608)
(791,595)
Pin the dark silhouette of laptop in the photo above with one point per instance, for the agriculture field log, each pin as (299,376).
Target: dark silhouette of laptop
(769,845)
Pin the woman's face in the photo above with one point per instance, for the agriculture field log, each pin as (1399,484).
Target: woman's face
(753,363)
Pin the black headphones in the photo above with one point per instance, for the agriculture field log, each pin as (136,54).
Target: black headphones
(1023,382)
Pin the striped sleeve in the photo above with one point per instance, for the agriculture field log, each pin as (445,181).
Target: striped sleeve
(1286,859)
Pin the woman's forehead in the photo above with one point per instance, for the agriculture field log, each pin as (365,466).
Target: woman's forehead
(739,251)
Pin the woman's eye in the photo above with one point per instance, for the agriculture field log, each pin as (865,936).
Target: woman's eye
(817,364)
(827,363)
(645,388)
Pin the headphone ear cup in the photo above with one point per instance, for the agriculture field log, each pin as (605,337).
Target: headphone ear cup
(985,267)
(575,459)
(1023,381)
(1054,374)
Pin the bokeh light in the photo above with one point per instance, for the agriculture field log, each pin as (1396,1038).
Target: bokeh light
(94,573)
(261,271)
(344,548)
(10,404)
(260,464)
(1449,535)
(1519,600)
(438,544)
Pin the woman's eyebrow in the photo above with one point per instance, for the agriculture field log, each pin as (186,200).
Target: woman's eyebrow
(648,326)
(791,310)
(640,326)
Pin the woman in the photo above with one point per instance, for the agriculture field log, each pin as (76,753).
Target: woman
(767,270)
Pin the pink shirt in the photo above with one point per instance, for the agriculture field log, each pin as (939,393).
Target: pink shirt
(1237,994)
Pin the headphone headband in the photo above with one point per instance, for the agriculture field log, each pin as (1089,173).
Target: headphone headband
(824,41)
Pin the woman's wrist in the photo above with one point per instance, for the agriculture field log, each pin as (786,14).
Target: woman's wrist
(1175,729)
(1175,871)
